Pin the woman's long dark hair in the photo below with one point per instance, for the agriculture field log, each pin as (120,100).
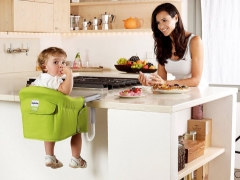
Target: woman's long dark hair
(163,44)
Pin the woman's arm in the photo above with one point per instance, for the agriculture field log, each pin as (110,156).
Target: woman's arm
(162,72)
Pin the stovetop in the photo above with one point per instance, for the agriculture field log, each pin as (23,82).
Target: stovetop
(104,82)
(100,82)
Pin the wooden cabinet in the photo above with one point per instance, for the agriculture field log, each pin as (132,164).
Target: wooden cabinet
(26,0)
(45,1)
(43,19)
(42,1)
(122,10)
(61,16)
(34,15)
(23,19)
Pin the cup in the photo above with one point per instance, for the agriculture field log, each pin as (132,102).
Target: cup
(86,64)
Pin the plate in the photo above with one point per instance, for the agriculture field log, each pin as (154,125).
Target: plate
(124,68)
(171,91)
(144,88)
(144,70)
(142,95)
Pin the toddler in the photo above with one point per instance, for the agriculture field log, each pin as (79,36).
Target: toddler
(52,62)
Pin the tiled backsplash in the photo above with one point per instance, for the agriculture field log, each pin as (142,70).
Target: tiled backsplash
(18,62)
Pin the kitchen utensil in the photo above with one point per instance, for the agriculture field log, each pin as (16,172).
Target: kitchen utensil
(105,20)
(85,24)
(76,22)
(95,23)
(133,23)
(72,22)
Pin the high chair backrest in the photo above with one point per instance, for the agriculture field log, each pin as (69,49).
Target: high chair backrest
(50,115)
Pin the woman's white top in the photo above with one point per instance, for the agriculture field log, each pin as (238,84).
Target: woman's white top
(182,68)
(48,81)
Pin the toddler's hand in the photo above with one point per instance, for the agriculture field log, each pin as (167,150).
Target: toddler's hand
(66,70)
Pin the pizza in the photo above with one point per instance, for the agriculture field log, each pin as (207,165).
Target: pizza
(169,87)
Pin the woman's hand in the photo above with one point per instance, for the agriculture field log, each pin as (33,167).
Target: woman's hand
(144,79)
(156,79)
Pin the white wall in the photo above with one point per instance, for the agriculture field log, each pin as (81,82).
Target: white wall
(100,48)
(106,48)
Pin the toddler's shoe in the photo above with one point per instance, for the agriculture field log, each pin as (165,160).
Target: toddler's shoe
(77,163)
(51,161)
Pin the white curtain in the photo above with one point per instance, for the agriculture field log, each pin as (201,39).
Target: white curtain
(221,39)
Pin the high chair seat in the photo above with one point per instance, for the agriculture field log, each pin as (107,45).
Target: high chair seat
(50,115)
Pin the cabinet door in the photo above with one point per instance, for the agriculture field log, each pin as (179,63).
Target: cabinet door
(24,16)
(61,16)
(43,13)
(45,1)
(6,17)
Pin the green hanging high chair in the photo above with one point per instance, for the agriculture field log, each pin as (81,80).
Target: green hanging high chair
(49,115)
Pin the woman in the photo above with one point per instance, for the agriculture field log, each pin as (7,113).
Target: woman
(177,51)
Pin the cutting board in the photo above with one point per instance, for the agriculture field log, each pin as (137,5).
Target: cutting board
(89,69)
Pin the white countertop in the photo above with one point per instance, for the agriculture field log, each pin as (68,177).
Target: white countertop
(154,102)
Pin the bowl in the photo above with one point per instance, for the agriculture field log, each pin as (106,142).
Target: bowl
(124,68)
(144,70)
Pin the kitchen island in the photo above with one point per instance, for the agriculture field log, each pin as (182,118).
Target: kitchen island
(136,138)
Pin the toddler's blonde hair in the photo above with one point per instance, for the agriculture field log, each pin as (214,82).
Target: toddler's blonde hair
(43,56)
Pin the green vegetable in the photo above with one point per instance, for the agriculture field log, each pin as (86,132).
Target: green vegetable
(77,55)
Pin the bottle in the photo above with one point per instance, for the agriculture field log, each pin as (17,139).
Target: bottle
(77,62)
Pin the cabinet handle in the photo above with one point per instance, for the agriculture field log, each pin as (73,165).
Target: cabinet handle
(56,28)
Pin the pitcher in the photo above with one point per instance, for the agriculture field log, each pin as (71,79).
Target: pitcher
(106,21)
(133,23)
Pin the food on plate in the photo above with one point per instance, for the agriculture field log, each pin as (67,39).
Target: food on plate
(134,91)
(169,87)
(122,61)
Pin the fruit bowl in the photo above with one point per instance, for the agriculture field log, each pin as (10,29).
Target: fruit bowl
(124,68)
(144,70)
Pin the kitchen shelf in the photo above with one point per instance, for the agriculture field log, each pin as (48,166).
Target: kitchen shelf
(209,154)
(100,3)
(121,10)
(111,31)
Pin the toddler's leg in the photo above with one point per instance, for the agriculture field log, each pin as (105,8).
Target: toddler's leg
(50,159)
(49,148)
(76,145)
